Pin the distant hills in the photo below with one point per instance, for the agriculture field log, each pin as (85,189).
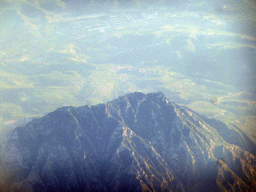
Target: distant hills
(34,7)
(137,142)
(52,55)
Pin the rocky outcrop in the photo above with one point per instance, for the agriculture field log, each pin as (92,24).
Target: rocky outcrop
(138,142)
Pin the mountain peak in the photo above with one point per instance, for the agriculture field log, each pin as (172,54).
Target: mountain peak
(136,142)
(137,98)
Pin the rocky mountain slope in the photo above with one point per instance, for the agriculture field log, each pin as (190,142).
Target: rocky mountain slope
(138,142)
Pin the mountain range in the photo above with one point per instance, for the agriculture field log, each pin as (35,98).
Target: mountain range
(137,142)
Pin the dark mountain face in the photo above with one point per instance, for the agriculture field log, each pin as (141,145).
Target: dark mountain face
(138,142)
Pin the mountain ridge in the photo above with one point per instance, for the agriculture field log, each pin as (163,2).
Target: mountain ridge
(137,142)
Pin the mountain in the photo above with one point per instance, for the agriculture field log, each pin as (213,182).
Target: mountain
(138,142)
